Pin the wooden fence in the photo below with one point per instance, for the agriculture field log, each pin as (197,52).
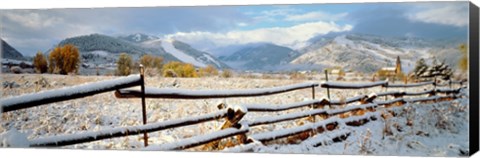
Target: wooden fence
(315,120)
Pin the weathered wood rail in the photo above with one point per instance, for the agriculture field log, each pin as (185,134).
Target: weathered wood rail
(176,93)
(68,93)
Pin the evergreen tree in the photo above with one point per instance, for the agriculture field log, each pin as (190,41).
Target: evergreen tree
(420,68)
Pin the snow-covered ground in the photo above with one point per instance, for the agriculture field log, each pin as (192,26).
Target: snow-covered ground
(439,129)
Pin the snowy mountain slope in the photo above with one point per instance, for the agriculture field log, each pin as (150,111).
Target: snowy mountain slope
(138,38)
(367,53)
(185,53)
(260,56)
(168,46)
(203,57)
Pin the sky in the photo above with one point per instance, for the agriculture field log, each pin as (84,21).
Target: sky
(207,27)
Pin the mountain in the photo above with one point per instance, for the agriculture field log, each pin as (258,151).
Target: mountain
(137,38)
(112,46)
(260,56)
(368,53)
(185,53)
(8,52)
(200,56)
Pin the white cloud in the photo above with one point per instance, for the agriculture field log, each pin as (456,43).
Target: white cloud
(455,14)
(242,24)
(32,20)
(274,14)
(316,16)
(294,37)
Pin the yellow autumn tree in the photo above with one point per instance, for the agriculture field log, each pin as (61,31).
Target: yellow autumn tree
(210,70)
(178,69)
(40,63)
(150,63)
(463,63)
(64,59)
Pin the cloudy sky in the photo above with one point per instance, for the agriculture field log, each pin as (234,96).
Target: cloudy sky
(205,27)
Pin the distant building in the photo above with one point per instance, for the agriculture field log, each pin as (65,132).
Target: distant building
(391,71)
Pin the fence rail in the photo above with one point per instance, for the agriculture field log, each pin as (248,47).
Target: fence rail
(77,138)
(234,125)
(68,93)
(176,93)
(342,85)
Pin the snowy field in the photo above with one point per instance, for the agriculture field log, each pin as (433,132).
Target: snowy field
(437,129)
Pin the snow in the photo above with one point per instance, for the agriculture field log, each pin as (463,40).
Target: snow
(285,117)
(439,129)
(15,62)
(342,40)
(268,107)
(200,94)
(13,138)
(423,99)
(169,48)
(199,139)
(137,37)
(409,85)
(132,130)
(285,132)
(391,101)
(243,147)
(241,108)
(418,93)
(212,60)
(348,100)
(100,53)
(83,89)
(326,137)
(389,68)
(350,108)
(347,85)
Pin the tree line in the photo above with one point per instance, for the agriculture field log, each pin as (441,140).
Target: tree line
(66,59)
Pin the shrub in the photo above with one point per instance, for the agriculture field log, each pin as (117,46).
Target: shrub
(124,65)
(178,69)
(64,59)
(40,63)
(150,63)
(226,73)
(210,70)
(463,62)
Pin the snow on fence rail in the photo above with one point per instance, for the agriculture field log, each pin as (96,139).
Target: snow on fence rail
(432,91)
(409,85)
(175,93)
(77,138)
(200,140)
(268,136)
(67,93)
(302,114)
(271,108)
(343,85)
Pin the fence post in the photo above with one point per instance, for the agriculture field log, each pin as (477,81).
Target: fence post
(232,120)
(144,112)
(328,89)
(450,83)
(313,92)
